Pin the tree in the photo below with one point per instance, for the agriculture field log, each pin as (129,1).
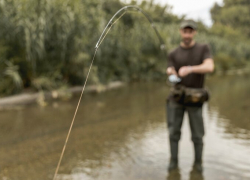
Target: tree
(234,14)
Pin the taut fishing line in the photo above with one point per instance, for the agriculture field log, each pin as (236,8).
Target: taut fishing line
(99,42)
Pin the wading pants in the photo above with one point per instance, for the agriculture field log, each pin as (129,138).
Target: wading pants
(175,114)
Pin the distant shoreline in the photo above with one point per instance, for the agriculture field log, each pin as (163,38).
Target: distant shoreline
(20,100)
(41,98)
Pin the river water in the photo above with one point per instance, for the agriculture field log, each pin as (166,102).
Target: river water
(121,135)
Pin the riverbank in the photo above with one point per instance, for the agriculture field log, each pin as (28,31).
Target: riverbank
(239,71)
(41,98)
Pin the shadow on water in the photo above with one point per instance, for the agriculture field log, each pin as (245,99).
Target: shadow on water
(121,134)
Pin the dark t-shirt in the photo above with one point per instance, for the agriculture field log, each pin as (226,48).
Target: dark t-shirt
(190,57)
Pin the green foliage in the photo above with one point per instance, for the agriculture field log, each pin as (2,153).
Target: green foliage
(46,37)
(233,14)
(227,32)
(231,25)
(225,62)
(11,81)
(46,45)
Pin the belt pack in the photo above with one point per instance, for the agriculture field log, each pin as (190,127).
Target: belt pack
(183,94)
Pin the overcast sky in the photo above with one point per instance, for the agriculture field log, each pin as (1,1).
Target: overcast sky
(195,9)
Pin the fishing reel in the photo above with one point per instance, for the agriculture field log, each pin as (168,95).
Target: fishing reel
(173,80)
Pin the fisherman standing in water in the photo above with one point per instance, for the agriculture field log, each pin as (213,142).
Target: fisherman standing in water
(188,63)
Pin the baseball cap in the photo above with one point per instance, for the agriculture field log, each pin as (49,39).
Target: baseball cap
(188,23)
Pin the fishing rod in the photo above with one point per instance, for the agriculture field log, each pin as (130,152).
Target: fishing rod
(99,42)
(126,8)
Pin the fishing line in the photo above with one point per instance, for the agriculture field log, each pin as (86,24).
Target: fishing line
(110,28)
(67,138)
(99,42)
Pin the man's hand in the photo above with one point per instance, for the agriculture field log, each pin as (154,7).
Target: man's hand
(185,70)
(171,71)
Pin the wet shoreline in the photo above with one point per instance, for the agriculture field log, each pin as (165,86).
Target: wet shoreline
(24,99)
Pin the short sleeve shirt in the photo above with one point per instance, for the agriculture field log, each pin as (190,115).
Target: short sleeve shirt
(190,57)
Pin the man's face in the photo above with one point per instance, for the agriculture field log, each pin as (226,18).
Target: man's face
(187,35)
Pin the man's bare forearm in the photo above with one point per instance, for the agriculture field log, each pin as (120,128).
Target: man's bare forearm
(206,67)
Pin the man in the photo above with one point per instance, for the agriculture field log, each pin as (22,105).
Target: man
(190,61)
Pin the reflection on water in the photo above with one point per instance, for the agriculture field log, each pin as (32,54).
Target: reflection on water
(122,135)
(232,101)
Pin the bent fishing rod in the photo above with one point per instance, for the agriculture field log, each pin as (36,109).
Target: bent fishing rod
(118,15)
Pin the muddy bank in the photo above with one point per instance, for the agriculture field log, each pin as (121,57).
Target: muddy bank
(21,100)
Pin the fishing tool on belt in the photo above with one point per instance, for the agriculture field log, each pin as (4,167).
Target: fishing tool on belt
(106,30)
(182,94)
(186,95)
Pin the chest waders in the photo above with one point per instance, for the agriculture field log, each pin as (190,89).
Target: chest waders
(175,115)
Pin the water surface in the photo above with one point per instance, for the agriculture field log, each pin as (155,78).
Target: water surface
(122,135)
